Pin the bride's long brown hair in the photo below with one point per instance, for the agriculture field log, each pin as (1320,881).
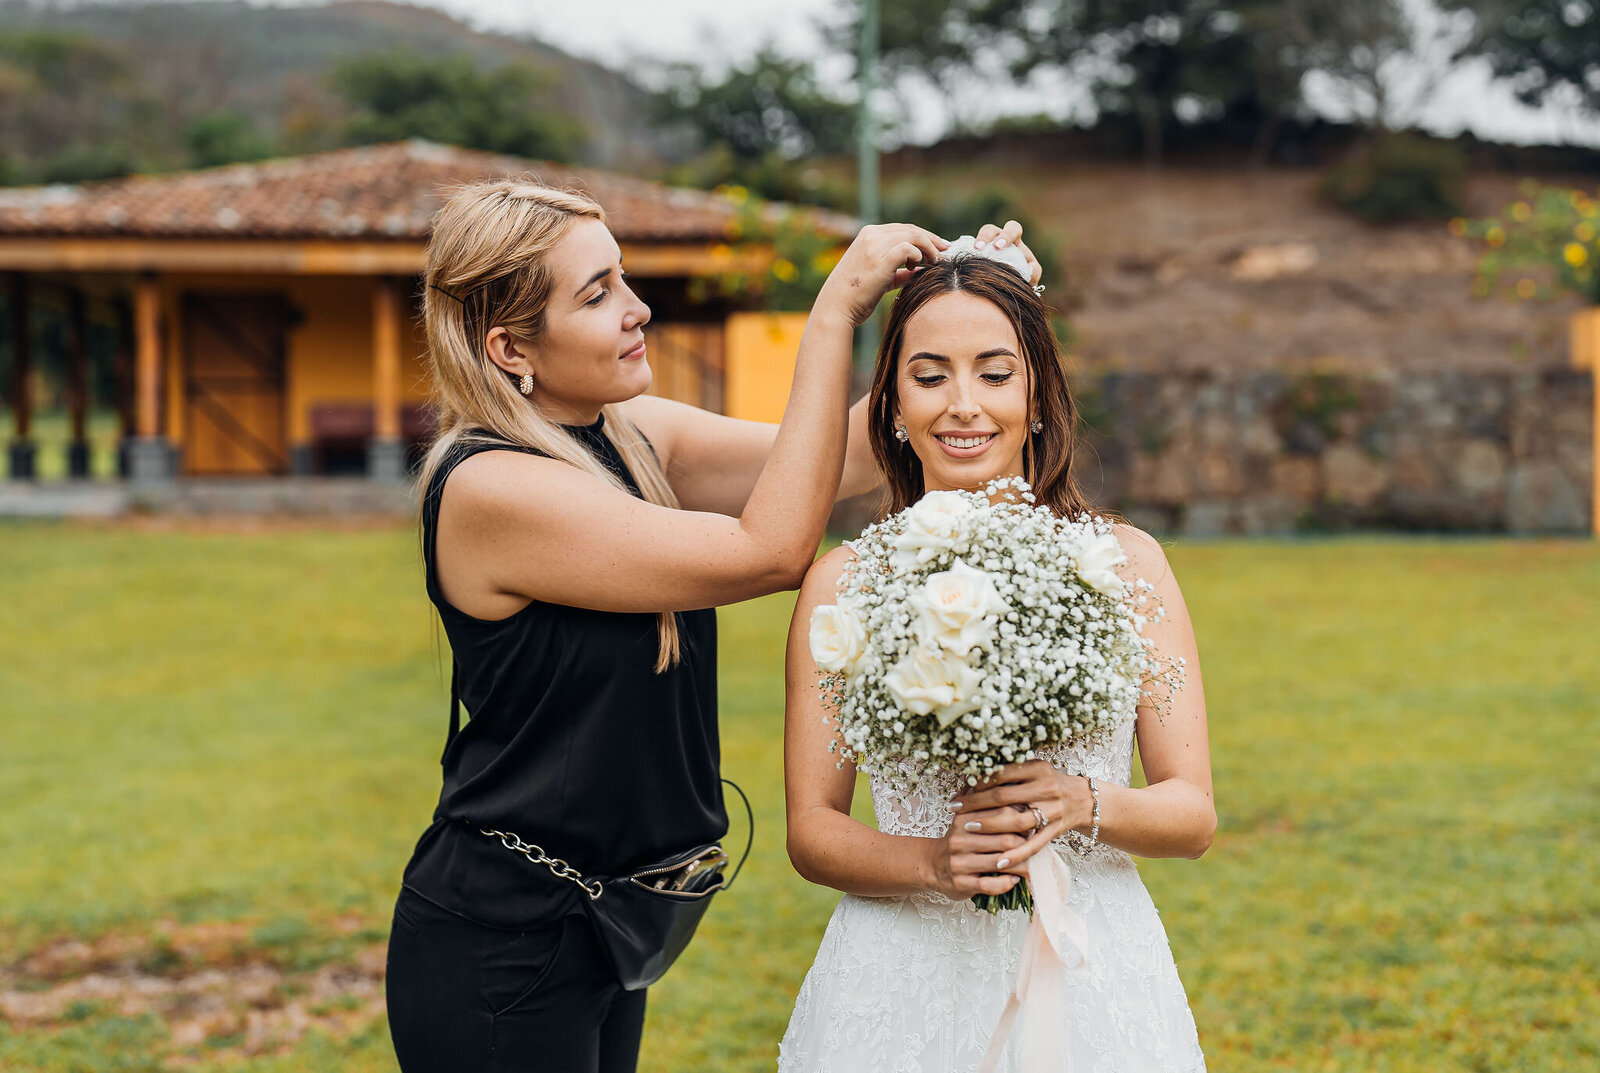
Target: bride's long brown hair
(1048,455)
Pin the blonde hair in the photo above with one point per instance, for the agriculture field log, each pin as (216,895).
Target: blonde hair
(488,266)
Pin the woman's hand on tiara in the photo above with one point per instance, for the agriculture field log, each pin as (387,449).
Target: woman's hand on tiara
(1010,235)
(880,259)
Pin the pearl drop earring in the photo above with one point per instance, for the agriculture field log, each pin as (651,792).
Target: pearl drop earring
(901,434)
(525,385)
(1038,426)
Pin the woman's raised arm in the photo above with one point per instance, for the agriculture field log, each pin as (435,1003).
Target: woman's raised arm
(524,527)
(713,461)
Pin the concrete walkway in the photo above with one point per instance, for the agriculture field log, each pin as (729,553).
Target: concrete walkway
(304,496)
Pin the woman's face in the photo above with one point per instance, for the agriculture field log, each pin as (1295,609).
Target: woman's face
(592,351)
(963,390)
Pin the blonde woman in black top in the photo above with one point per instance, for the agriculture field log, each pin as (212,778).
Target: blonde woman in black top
(576,535)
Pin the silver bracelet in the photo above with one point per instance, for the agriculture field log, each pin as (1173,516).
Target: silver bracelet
(1079,843)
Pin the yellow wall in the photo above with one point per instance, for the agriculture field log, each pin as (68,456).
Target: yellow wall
(760,356)
(329,350)
(1585,339)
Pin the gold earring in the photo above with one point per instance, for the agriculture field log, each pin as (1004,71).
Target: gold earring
(525,385)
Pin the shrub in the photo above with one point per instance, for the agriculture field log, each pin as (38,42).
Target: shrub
(1400,177)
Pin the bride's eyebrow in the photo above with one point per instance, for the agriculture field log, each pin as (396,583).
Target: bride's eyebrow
(995,352)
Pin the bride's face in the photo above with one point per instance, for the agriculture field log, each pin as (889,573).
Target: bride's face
(963,388)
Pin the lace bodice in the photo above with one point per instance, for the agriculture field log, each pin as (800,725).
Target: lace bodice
(911,801)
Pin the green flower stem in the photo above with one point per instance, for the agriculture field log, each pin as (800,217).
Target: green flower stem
(1018,897)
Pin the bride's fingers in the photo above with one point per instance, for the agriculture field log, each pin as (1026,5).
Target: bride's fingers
(999,820)
(1010,793)
(993,884)
(1033,845)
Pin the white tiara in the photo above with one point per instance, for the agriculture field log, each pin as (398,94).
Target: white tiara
(1011,256)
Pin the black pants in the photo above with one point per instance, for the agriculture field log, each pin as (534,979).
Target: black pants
(465,998)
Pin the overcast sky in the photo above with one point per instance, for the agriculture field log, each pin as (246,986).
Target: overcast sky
(619,33)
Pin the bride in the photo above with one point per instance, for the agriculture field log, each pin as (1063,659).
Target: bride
(970,386)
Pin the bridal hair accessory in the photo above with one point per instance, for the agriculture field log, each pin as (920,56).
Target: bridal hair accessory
(901,434)
(1011,256)
(525,385)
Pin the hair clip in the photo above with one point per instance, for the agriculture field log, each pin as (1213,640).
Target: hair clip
(1038,289)
(447,294)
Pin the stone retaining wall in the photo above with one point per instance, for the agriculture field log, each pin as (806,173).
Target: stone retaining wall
(1206,455)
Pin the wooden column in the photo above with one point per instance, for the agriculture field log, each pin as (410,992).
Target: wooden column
(22,449)
(122,379)
(386,452)
(147,357)
(77,347)
(151,458)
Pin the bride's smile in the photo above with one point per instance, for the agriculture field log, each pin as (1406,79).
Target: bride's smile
(963,392)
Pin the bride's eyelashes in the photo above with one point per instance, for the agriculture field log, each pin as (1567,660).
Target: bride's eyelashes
(989,378)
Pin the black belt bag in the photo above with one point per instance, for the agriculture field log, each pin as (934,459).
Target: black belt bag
(646,918)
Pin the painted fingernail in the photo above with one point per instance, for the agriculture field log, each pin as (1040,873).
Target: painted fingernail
(978,245)
(1002,862)
(974,825)
(999,242)
(955,806)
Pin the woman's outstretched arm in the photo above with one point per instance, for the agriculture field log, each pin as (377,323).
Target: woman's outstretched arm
(518,526)
(826,844)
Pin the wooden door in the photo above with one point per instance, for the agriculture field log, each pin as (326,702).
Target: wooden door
(234,373)
(686,363)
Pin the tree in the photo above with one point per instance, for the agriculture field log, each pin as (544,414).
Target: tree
(1385,58)
(54,120)
(224,137)
(454,100)
(771,104)
(1154,62)
(1544,47)
(755,125)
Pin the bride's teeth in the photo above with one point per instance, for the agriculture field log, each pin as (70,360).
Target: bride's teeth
(969,441)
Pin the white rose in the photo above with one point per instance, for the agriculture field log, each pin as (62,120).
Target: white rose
(958,608)
(838,639)
(935,523)
(932,681)
(1097,562)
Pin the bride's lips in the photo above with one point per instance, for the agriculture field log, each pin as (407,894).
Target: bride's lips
(967,452)
(635,354)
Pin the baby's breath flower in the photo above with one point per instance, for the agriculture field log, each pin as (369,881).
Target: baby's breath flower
(1053,654)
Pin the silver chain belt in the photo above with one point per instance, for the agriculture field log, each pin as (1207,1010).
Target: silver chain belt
(561,868)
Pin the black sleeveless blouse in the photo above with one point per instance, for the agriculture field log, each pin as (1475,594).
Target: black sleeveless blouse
(574,742)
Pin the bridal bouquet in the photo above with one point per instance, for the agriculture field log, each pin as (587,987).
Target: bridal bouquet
(971,630)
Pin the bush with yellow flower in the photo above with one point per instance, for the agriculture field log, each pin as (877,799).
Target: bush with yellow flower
(774,257)
(1546,242)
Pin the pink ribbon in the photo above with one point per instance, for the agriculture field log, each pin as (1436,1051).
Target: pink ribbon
(1057,940)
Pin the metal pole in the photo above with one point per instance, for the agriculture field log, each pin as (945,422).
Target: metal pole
(868,207)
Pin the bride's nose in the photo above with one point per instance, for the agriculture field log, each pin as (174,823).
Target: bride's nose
(963,406)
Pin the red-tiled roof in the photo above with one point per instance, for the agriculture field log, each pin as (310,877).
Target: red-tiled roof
(373,192)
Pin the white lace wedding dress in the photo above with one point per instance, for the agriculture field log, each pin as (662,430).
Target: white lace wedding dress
(917,984)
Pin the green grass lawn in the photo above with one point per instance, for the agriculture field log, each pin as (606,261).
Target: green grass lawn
(244,728)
